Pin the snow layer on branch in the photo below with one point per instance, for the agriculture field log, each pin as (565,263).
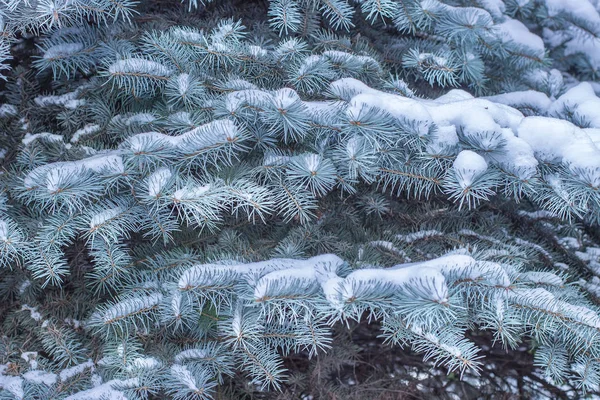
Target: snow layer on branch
(50,137)
(429,281)
(68,373)
(527,98)
(582,9)
(7,110)
(538,298)
(555,140)
(514,31)
(35,315)
(590,48)
(104,391)
(86,130)
(469,165)
(67,100)
(109,162)
(62,50)
(321,274)
(456,109)
(305,276)
(520,141)
(137,65)
(465,267)
(215,132)
(425,279)
(203,275)
(12,384)
(496,8)
(40,377)
(157,181)
(580,99)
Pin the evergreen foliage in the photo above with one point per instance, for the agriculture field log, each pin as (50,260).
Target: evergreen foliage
(197,196)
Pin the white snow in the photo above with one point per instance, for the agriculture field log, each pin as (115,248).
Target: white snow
(547,278)
(466,267)
(580,99)
(539,136)
(541,298)
(554,140)
(515,31)
(24,286)
(40,377)
(144,363)
(125,307)
(31,358)
(136,119)
(68,373)
(301,277)
(469,165)
(3,230)
(191,354)
(190,193)
(419,235)
(7,110)
(104,391)
(539,214)
(157,180)
(50,137)
(183,83)
(185,376)
(62,50)
(538,101)
(582,9)
(137,65)
(215,132)
(202,275)
(48,174)
(67,100)
(430,280)
(496,8)
(456,108)
(32,311)
(12,384)
(89,129)
(389,246)
(104,216)
(445,138)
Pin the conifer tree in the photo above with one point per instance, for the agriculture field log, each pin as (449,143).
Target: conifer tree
(211,201)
